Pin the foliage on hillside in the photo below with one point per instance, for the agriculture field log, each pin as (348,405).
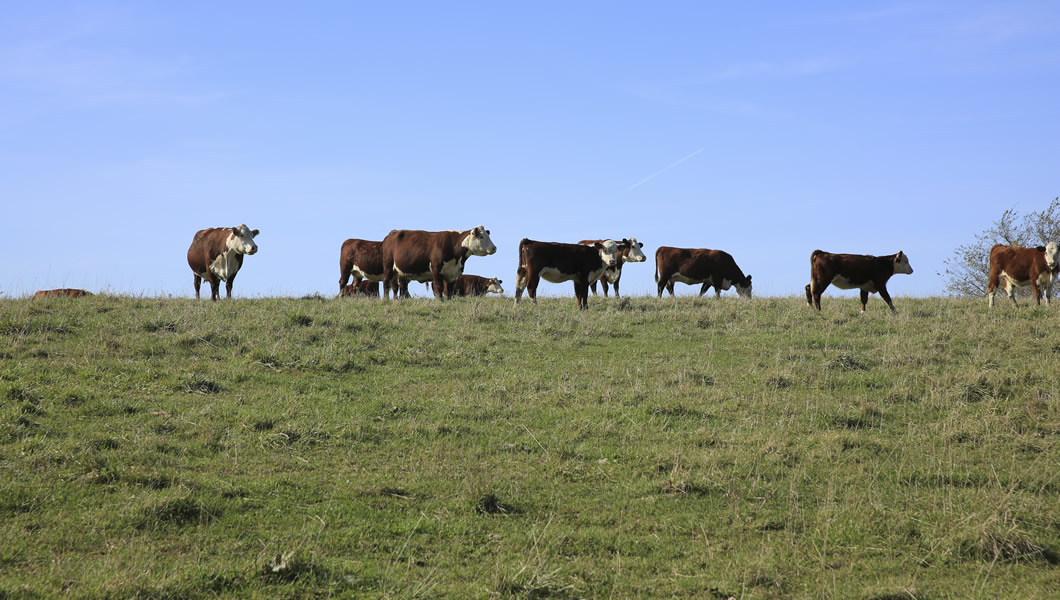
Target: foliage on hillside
(473,449)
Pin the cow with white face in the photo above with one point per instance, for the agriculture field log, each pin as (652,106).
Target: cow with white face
(629,250)
(556,262)
(1035,267)
(431,256)
(216,255)
(865,272)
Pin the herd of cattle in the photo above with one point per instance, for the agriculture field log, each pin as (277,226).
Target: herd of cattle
(437,258)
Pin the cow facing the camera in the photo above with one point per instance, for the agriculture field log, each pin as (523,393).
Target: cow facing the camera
(1034,267)
(216,255)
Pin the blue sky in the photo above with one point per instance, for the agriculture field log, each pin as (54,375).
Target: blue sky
(767,129)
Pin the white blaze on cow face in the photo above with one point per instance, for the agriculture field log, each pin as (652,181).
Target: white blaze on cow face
(608,250)
(478,242)
(1052,250)
(495,287)
(901,264)
(241,240)
(635,254)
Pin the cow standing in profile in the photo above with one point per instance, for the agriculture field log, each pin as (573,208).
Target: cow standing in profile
(431,256)
(216,254)
(699,265)
(629,250)
(848,271)
(557,262)
(1035,267)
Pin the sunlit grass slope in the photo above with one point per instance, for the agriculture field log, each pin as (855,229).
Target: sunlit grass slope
(163,448)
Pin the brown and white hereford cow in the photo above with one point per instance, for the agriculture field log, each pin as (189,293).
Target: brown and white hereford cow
(1036,267)
(364,260)
(216,254)
(473,285)
(66,292)
(435,256)
(366,287)
(848,271)
(629,250)
(699,265)
(556,262)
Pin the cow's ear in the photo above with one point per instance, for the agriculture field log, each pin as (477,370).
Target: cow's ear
(748,279)
(253,233)
(498,280)
(598,246)
(899,255)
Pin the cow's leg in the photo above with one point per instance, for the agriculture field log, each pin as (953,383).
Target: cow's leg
(886,297)
(403,287)
(665,283)
(438,284)
(670,288)
(817,290)
(603,286)
(581,294)
(616,289)
(215,288)
(532,279)
(1009,291)
(991,286)
(592,286)
(717,292)
(865,300)
(388,276)
(228,285)
(344,276)
(809,296)
(1037,293)
(1048,292)
(198,282)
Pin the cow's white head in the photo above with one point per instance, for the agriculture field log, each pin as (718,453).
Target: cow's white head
(635,254)
(608,250)
(901,264)
(494,286)
(242,240)
(478,242)
(743,288)
(1052,250)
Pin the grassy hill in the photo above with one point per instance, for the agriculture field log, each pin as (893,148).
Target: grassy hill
(168,448)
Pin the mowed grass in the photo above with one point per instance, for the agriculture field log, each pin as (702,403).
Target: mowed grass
(168,448)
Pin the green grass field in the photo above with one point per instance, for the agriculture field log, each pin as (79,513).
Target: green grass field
(292,448)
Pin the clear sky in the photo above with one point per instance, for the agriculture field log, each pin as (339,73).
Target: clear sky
(767,129)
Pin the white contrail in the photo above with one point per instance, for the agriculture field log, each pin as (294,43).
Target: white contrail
(656,174)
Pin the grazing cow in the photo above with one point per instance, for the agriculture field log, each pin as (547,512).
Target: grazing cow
(216,254)
(699,265)
(847,271)
(473,285)
(366,287)
(364,260)
(629,250)
(70,292)
(1036,267)
(434,256)
(556,262)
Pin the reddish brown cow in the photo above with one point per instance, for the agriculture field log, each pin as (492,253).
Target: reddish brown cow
(434,256)
(847,271)
(216,255)
(629,250)
(473,285)
(699,265)
(1036,267)
(364,260)
(70,292)
(366,287)
(558,262)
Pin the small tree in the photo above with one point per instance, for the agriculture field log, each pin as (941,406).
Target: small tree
(967,273)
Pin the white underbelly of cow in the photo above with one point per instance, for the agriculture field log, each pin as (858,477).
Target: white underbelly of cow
(845,284)
(555,275)
(420,277)
(224,266)
(362,274)
(451,269)
(679,278)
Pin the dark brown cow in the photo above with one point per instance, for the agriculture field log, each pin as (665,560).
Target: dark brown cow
(216,254)
(1036,267)
(473,285)
(629,250)
(434,256)
(364,260)
(70,292)
(699,265)
(366,287)
(847,271)
(558,262)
